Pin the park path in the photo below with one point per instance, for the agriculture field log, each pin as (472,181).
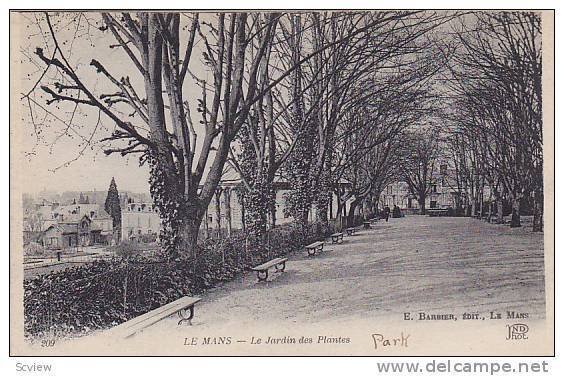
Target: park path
(409,264)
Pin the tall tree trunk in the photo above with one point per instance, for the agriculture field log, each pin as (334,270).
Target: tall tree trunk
(490,210)
(273,215)
(421,201)
(481,198)
(366,210)
(189,230)
(339,213)
(207,225)
(499,201)
(227,209)
(458,204)
(352,211)
(538,211)
(243,212)
(475,204)
(218,212)
(321,214)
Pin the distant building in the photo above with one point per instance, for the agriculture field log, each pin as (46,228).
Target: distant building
(75,225)
(443,193)
(60,236)
(139,218)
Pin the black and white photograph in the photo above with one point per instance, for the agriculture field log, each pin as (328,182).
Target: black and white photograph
(282,182)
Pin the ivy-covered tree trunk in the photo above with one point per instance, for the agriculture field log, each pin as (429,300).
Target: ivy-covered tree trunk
(322,201)
(189,233)
(256,210)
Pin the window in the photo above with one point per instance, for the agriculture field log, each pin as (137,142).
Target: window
(434,188)
(444,168)
(433,204)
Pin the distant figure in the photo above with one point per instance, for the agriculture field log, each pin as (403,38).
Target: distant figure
(387,212)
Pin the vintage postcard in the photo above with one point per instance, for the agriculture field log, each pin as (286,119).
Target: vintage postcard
(282,182)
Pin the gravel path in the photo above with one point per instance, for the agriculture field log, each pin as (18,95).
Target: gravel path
(340,298)
(409,264)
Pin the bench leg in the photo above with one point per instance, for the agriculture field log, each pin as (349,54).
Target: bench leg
(311,251)
(280,267)
(262,275)
(183,317)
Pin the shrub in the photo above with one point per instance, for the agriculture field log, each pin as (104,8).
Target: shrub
(125,249)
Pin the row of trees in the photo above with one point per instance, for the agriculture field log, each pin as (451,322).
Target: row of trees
(315,98)
(496,137)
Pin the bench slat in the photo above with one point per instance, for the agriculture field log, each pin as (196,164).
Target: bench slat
(270,264)
(131,330)
(314,245)
(151,317)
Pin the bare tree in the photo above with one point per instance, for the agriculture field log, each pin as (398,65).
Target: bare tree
(418,163)
(497,75)
(186,157)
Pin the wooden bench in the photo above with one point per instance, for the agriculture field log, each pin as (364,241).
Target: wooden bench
(366,224)
(350,230)
(184,307)
(314,247)
(337,237)
(437,212)
(262,270)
